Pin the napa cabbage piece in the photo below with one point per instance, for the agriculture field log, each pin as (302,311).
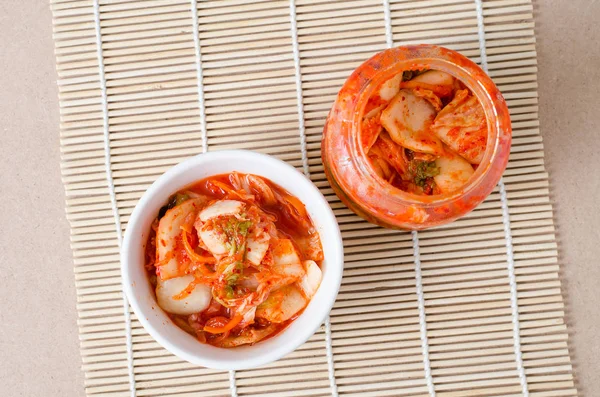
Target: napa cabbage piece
(454,172)
(407,119)
(167,292)
(463,127)
(168,236)
(440,83)
(390,88)
(282,304)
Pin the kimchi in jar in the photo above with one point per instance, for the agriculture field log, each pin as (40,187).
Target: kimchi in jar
(417,137)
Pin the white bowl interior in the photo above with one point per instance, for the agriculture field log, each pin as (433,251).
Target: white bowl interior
(141,295)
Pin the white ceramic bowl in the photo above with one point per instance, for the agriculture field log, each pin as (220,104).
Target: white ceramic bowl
(141,295)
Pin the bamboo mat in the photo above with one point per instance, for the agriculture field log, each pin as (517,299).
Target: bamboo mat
(469,309)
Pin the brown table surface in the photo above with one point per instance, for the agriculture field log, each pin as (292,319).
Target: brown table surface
(38,331)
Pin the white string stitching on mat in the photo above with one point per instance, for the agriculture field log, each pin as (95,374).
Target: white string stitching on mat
(329,352)
(199,75)
(513,289)
(422,319)
(232,385)
(296,50)
(203,129)
(387,16)
(507,232)
(416,251)
(111,188)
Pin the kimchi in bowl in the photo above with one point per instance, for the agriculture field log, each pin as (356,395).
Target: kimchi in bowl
(140,291)
(396,202)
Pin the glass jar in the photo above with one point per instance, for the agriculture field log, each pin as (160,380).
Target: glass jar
(348,169)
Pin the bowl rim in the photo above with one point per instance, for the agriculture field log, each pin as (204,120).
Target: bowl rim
(327,298)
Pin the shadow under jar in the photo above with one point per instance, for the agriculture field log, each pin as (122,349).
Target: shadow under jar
(355,180)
